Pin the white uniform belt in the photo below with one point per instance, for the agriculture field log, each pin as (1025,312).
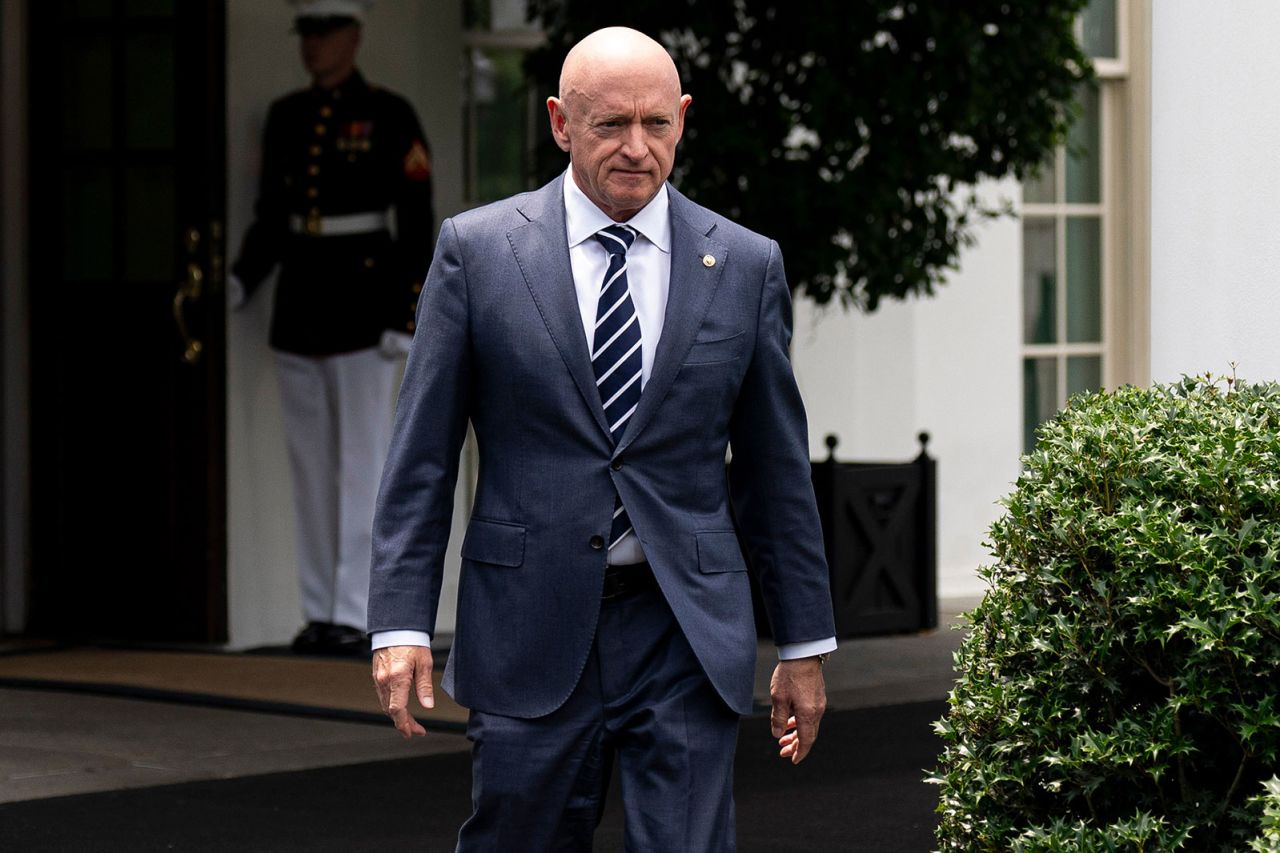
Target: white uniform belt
(337,226)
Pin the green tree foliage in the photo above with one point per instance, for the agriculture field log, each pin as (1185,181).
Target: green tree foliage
(1119,689)
(851,131)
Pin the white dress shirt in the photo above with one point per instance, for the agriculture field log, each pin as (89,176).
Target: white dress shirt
(648,279)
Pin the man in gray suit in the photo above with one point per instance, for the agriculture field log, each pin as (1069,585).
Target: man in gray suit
(608,340)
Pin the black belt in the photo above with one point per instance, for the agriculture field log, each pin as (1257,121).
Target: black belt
(622,581)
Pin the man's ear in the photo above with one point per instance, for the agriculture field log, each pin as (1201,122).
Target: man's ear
(559,131)
(685,101)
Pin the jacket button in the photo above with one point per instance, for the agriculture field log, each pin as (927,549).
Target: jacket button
(597,542)
(616,464)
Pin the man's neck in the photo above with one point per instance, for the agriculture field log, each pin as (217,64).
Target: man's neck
(333,79)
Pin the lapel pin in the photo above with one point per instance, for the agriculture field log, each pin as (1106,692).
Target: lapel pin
(708,261)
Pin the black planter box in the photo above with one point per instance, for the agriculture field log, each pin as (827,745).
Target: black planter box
(879,526)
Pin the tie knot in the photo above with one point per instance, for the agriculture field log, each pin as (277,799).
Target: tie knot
(616,239)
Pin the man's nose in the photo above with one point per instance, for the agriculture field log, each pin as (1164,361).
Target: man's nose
(634,145)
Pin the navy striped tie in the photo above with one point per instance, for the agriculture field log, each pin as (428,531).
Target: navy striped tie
(615,350)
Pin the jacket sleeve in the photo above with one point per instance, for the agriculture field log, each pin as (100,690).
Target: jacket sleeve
(415,502)
(415,217)
(770,482)
(264,241)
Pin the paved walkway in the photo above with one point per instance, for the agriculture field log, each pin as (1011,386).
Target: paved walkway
(55,743)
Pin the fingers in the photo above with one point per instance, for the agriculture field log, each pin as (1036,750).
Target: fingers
(806,734)
(395,671)
(799,701)
(787,742)
(778,719)
(424,688)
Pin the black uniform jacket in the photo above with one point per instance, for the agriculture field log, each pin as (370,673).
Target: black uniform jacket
(355,149)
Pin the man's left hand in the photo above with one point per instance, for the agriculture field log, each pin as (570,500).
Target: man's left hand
(799,696)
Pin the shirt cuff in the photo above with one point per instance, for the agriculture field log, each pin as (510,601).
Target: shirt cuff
(795,651)
(385,639)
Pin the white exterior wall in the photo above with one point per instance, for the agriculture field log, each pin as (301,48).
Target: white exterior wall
(411,47)
(948,365)
(1215,199)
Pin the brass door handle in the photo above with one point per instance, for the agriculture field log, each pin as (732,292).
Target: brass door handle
(190,289)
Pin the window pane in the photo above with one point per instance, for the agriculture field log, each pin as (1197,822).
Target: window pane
(476,15)
(150,217)
(86,92)
(1084,165)
(85,9)
(496,15)
(509,14)
(1084,279)
(149,77)
(1098,24)
(1084,374)
(1041,189)
(87,239)
(500,117)
(1039,396)
(1039,281)
(149,8)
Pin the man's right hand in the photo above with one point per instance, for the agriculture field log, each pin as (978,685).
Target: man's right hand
(395,670)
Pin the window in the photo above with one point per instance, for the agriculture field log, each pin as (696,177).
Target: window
(1080,237)
(503,112)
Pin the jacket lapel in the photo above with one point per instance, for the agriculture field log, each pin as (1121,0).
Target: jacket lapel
(693,284)
(543,255)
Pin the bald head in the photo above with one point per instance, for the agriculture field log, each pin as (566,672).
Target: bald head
(613,51)
(620,114)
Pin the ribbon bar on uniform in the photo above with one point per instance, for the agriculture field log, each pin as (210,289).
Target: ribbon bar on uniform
(339,226)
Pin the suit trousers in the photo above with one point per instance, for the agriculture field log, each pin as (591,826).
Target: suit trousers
(644,702)
(337,420)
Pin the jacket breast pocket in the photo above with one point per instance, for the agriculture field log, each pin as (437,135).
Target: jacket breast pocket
(718,552)
(499,543)
(712,352)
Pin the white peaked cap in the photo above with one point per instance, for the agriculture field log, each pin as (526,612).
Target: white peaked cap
(331,8)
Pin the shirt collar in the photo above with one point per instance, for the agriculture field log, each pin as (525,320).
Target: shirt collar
(583,219)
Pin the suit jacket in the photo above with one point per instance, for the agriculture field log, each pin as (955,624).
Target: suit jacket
(500,344)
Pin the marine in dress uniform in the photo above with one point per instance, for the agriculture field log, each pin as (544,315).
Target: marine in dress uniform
(345,210)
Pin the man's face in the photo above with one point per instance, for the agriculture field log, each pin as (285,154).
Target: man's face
(325,50)
(620,127)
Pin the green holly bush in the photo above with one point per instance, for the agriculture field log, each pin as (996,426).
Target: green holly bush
(1118,689)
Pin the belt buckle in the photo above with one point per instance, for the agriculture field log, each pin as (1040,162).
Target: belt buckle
(313,224)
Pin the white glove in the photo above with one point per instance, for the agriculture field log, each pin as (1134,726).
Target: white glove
(394,344)
(235,293)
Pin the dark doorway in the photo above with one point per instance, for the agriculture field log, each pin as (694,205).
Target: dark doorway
(127,346)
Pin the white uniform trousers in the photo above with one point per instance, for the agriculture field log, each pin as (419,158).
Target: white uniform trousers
(337,419)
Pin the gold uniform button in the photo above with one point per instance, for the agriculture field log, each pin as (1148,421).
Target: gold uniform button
(414,308)
(313,170)
(410,325)
(417,287)
(326,111)
(368,263)
(320,129)
(708,261)
(316,150)
(312,192)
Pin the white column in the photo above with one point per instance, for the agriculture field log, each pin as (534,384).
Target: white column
(1215,198)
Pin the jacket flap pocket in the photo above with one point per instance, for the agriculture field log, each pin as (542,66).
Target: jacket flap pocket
(722,349)
(494,542)
(718,551)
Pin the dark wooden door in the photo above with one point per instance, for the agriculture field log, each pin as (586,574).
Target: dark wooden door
(127,374)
